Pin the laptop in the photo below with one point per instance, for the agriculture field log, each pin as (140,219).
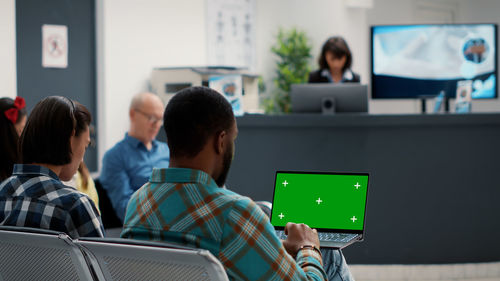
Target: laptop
(332,203)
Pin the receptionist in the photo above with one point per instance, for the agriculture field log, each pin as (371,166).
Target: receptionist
(334,63)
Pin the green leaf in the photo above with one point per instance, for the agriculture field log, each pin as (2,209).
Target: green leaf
(293,52)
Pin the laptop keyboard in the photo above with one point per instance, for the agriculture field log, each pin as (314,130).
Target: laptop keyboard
(325,236)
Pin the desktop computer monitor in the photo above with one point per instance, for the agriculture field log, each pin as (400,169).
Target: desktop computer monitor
(329,98)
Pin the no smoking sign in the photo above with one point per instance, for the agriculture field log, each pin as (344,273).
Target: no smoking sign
(54,46)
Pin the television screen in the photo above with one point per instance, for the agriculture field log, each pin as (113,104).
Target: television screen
(411,61)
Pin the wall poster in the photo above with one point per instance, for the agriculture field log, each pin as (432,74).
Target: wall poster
(231,33)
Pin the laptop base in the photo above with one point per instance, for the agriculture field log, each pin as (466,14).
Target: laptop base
(335,244)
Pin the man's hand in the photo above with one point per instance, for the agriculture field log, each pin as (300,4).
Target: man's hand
(298,236)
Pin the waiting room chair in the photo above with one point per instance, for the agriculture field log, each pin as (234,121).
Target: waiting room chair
(37,254)
(125,259)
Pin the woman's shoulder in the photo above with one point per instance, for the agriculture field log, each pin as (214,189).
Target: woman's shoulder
(316,72)
(356,77)
(316,77)
(351,76)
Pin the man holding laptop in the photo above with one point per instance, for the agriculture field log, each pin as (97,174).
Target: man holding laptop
(184,204)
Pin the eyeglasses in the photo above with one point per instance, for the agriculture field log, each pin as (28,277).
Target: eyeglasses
(151,118)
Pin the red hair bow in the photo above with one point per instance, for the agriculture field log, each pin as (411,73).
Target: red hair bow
(13,113)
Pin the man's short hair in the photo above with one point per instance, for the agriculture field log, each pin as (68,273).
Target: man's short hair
(46,138)
(192,116)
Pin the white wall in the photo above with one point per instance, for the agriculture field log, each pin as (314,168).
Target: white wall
(7,49)
(136,36)
(320,19)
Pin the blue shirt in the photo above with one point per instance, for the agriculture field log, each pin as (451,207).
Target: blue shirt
(35,197)
(127,166)
(186,206)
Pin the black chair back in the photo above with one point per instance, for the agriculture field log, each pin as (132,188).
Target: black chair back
(108,214)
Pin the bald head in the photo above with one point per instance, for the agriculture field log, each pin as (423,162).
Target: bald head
(146,117)
(138,99)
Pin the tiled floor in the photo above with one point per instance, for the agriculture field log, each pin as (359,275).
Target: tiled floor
(464,272)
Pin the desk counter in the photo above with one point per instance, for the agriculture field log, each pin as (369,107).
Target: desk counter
(434,190)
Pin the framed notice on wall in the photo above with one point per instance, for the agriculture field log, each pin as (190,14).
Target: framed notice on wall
(231,33)
(54,46)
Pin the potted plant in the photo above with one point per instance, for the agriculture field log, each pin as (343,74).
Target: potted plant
(293,53)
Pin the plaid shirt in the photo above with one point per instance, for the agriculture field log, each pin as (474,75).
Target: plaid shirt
(35,197)
(186,206)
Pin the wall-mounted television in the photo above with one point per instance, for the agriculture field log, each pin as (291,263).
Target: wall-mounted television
(413,61)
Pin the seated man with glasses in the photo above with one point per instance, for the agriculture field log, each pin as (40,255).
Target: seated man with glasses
(128,164)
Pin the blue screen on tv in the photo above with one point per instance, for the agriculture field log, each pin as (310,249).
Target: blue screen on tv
(410,61)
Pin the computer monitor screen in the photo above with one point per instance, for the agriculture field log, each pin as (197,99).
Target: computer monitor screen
(328,98)
(410,61)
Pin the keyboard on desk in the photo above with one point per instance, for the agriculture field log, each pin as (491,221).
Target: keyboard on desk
(325,236)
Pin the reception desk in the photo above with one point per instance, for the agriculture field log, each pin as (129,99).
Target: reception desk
(434,194)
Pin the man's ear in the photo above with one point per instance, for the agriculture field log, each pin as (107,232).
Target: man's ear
(219,142)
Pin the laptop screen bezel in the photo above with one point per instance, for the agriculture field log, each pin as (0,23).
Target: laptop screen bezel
(356,231)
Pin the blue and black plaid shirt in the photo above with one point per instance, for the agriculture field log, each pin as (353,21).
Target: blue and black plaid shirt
(186,206)
(35,197)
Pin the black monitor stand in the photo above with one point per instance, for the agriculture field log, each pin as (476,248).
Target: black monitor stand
(446,104)
(423,105)
(423,101)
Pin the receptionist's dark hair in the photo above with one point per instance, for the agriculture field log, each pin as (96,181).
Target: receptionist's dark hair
(339,48)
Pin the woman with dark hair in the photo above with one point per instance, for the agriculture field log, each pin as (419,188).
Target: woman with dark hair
(334,63)
(12,121)
(52,146)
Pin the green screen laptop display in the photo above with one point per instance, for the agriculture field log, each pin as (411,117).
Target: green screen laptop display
(320,200)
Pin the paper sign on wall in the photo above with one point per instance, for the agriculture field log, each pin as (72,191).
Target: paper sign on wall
(231,33)
(54,46)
